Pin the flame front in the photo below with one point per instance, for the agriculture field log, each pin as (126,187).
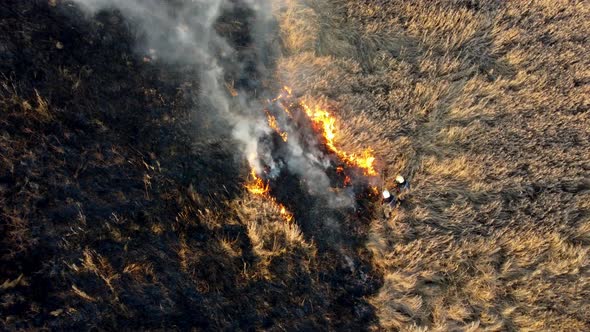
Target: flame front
(258,187)
(324,122)
(327,124)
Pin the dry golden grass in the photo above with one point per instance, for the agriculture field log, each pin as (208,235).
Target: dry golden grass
(484,106)
(273,239)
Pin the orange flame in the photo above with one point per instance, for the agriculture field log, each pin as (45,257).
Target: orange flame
(286,214)
(327,124)
(257,187)
(375,191)
(347,180)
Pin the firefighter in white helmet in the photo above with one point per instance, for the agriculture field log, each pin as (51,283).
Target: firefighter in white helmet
(389,202)
(402,187)
(401,183)
(388,198)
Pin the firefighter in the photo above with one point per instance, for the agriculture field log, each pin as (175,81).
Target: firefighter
(402,187)
(389,202)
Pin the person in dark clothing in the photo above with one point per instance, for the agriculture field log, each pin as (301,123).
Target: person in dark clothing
(389,202)
(388,198)
(401,185)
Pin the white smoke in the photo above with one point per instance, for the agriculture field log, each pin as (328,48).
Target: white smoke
(183,32)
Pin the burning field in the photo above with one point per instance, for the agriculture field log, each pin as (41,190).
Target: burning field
(217,165)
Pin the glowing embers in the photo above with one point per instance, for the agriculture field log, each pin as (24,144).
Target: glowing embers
(258,187)
(326,123)
(272,123)
(285,116)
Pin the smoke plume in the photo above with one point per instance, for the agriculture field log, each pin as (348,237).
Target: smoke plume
(184,32)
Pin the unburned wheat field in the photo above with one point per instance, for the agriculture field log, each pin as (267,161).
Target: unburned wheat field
(216,165)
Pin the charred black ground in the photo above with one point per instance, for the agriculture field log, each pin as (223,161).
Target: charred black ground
(112,173)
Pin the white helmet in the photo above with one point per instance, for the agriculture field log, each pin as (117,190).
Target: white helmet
(399,179)
(386,194)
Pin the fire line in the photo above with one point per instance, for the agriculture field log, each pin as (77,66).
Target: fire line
(325,123)
(258,187)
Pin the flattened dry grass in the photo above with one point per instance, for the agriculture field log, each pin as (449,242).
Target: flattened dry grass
(484,106)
